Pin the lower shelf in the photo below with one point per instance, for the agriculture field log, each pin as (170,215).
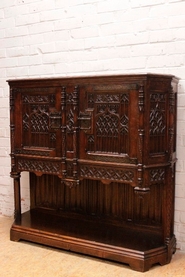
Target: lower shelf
(91,236)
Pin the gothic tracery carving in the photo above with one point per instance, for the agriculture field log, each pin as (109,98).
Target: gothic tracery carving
(157,114)
(35,98)
(107,98)
(39,166)
(106,173)
(124,124)
(157,175)
(107,125)
(39,123)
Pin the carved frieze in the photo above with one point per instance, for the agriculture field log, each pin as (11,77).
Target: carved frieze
(49,167)
(107,98)
(35,98)
(121,175)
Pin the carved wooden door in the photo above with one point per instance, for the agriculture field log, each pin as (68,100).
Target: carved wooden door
(37,119)
(107,132)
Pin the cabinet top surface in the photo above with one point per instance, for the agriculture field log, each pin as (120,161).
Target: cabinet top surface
(100,78)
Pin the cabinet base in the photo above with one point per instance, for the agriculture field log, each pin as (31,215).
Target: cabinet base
(87,237)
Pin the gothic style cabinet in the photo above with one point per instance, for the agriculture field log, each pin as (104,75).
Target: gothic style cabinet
(100,152)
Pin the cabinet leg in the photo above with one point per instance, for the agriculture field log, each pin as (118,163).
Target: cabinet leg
(17,197)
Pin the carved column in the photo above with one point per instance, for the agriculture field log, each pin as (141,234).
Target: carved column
(75,132)
(63,127)
(140,189)
(15,175)
(170,184)
(17,196)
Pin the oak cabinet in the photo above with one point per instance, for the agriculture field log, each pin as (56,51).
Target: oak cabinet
(101,156)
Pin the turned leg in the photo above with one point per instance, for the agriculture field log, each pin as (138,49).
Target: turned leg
(17,197)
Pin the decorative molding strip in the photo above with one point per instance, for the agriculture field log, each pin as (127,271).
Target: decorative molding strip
(32,152)
(110,87)
(111,158)
(141,98)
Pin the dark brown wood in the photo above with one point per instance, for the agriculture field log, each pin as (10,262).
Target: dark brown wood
(101,153)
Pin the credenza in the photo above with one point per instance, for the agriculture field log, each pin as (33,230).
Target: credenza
(101,154)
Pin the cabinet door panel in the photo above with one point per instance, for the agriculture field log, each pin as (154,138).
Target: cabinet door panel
(106,128)
(39,121)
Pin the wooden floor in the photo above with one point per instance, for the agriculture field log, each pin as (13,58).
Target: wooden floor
(23,259)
